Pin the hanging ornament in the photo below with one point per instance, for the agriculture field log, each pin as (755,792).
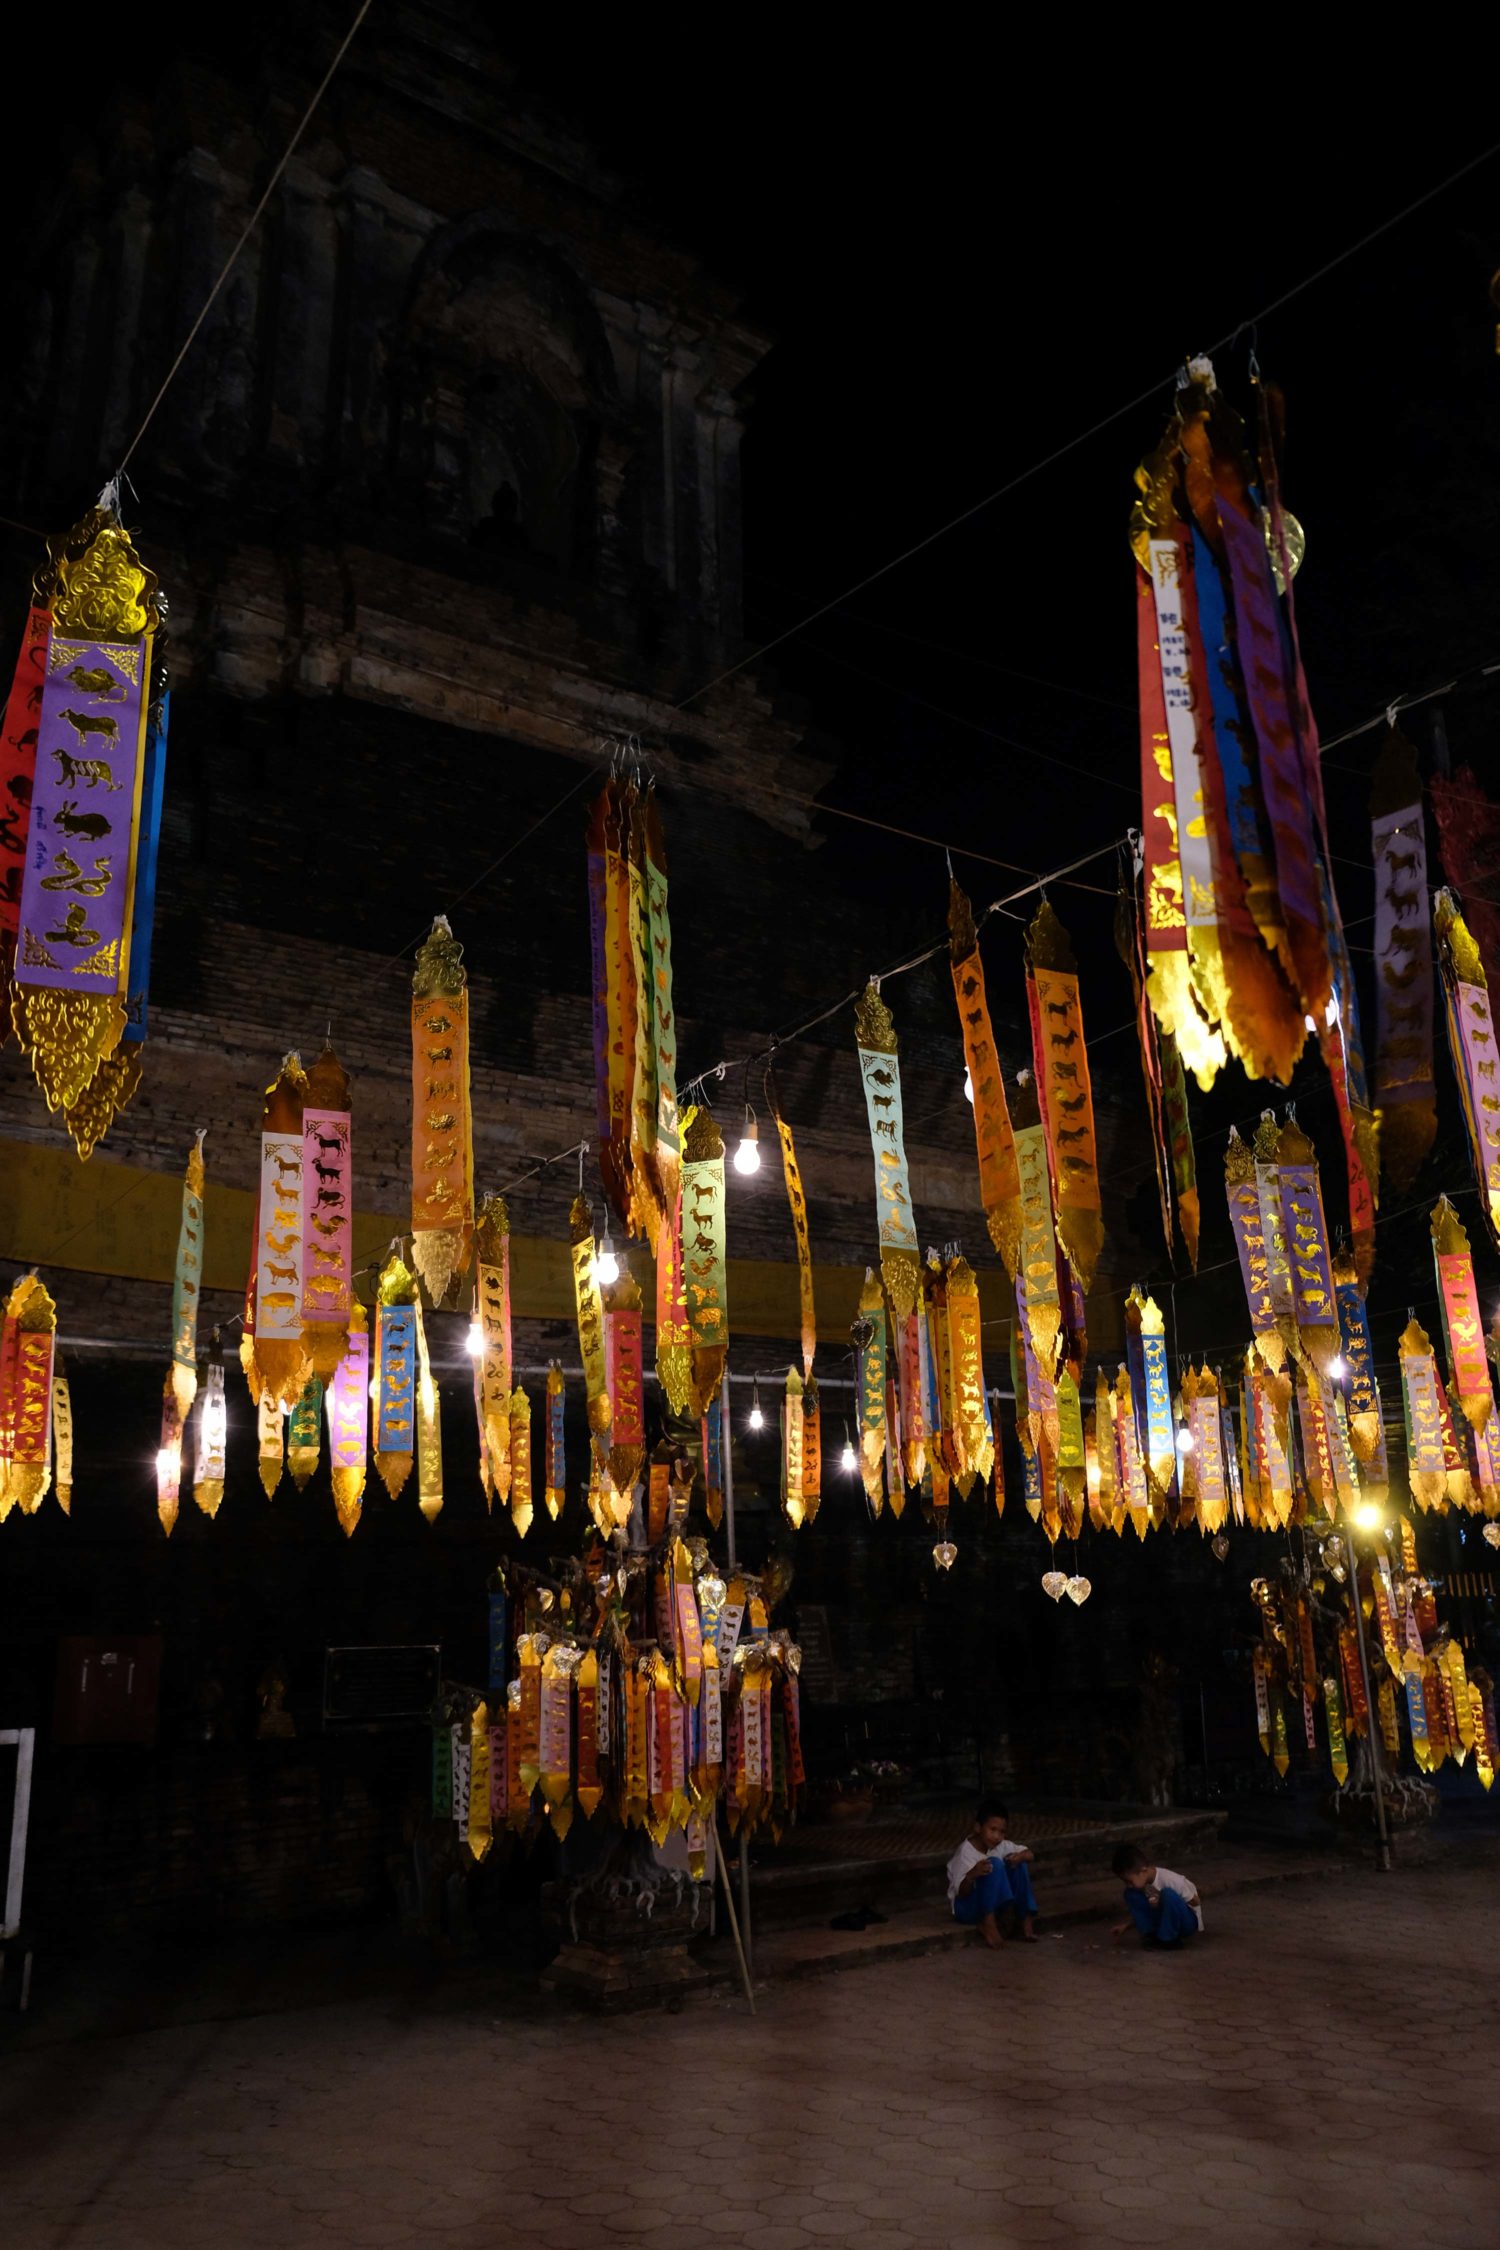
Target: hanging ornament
(429,1428)
(1463,1321)
(1404,1088)
(493,1360)
(1471,1044)
(348,1421)
(792,1450)
(327,1214)
(1313,1305)
(703,1254)
(1038,1260)
(186,1284)
(62,1436)
(674,1331)
(556,1462)
(26,1415)
(442,1133)
(870,1340)
(1421,1395)
(1366,1416)
(880,1075)
(590,1310)
(271,1348)
(1054,1584)
(647,1203)
(797,1205)
(1161,1069)
(169,1457)
(812,1450)
(1255,1245)
(1078,1591)
(614,986)
(520,1463)
(945,1554)
(78,911)
(395,1373)
(999,1179)
(1065,1094)
(624,1373)
(208,1470)
(973,1447)
(270,1443)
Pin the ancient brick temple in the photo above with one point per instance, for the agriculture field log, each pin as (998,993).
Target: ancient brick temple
(446,499)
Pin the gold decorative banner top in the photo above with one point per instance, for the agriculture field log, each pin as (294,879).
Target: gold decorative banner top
(999,1179)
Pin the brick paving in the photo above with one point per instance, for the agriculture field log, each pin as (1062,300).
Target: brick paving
(1321,2073)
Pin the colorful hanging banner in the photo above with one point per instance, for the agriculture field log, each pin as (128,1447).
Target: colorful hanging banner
(1313,1305)
(395,1374)
(590,1309)
(973,1446)
(797,1205)
(271,1348)
(1422,1398)
(442,1133)
(1471,1044)
(792,1450)
(18,745)
(625,1375)
(1405,1094)
(1251,1242)
(304,1432)
(327,1214)
(208,1468)
(1467,1365)
(429,1427)
(880,1075)
(1065,1093)
(1366,1415)
(614,986)
(555,1487)
(999,1178)
(492,1374)
(1161,1069)
(187,1281)
(348,1421)
(647,1206)
(703,1254)
(62,1436)
(870,1339)
(1038,1263)
(520,1462)
(812,1450)
(674,1330)
(77,903)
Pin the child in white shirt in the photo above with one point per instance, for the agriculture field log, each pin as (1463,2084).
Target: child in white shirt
(989,1876)
(1164,1907)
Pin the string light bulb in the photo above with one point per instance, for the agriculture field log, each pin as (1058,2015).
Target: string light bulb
(1368,1515)
(968,1089)
(1337,1369)
(848,1459)
(747,1155)
(1185,1440)
(606,1264)
(474,1341)
(757,1418)
(168,1463)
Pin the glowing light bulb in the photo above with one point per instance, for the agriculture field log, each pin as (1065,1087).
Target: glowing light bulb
(1185,1440)
(747,1155)
(1309,1022)
(474,1341)
(1331,1013)
(1368,1516)
(374,1386)
(169,1463)
(757,1418)
(968,1089)
(606,1264)
(848,1459)
(1336,1369)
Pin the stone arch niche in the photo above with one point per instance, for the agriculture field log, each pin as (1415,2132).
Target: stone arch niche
(503,383)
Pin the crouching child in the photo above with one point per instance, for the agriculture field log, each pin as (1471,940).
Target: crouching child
(1164,1907)
(989,1878)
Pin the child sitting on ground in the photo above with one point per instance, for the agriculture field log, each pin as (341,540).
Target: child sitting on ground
(1163,1907)
(989,1876)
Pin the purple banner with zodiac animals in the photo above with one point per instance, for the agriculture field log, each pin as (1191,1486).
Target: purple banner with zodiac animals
(80,854)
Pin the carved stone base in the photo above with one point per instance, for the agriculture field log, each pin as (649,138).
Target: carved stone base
(626,1940)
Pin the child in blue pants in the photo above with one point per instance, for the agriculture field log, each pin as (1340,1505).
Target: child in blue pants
(989,1876)
(1163,1907)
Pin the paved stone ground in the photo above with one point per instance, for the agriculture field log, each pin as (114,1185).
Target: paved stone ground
(1323,2072)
